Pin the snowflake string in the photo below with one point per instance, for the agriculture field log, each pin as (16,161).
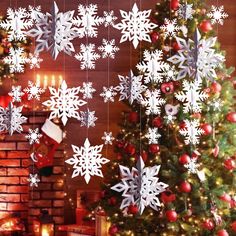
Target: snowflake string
(192,166)
(87,161)
(170,28)
(191,96)
(108,138)
(87,20)
(16,60)
(87,90)
(217,15)
(88,118)
(135,26)
(109,18)
(108,94)
(64,103)
(34,60)
(152,101)
(16,24)
(33,180)
(140,186)
(87,56)
(108,48)
(152,135)
(131,87)
(153,67)
(33,136)
(192,131)
(16,93)
(185,11)
(34,91)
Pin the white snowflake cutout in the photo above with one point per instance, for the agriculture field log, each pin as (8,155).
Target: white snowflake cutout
(108,94)
(16,93)
(33,136)
(108,138)
(87,118)
(33,180)
(34,13)
(108,48)
(152,135)
(171,111)
(34,60)
(87,161)
(192,166)
(109,18)
(170,28)
(87,90)
(185,11)
(217,15)
(216,104)
(34,91)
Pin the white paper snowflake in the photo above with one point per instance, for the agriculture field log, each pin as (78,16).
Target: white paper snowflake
(87,161)
(87,90)
(153,67)
(16,24)
(64,103)
(191,131)
(34,91)
(34,60)
(192,166)
(16,93)
(108,94)
(108,138)
(108,48)
(109,18)
(171,111)
(152,135)
(170,28)
(87,20)
(34,13)
(16,60)
(140,186)
(216,104)
(191,96)
(33,136)
(152,101)
(131,88)
(87,118)
(54,32)
(87,56)
(185,11)
(170,73)
(135,26)
(11,119)
(197,58)
(217,15)
(33,180)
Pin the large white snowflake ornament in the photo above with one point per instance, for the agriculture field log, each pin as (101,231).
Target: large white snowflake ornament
(87,56)
(108,94)
(185,11)
(191,132)
(87,90)
(16,93)
(64,103)
(16,60)
(87,161)
(192,166)
(135,25)
(170,28)
(33,180)
(191,96)
(16,24)
(153,67)
(109,18)
(153,102)
(108,48)
(131,88)
(140,186)
(33,136)
(108,138)
(34,91)
(217,15)
(87,118)
(152,135)
(34,60)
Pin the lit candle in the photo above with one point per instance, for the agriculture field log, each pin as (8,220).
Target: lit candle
(53,81)
(45,82)
(45,232)
(60,80)
(38,80)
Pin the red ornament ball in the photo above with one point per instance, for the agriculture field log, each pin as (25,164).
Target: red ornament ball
(113,230)
(154,37)
(167,88)
(231,117)
(154,148)
(171,215)
(112,201)
(130,149)
(133,209)
(207,128)
(222,232)
(182,125)
(184,159)
(208,224)
(144,155)
(174,4)
(233,226)
(216,87)
(185,187)
(229,164)
(167,196)
(133,117)
(157,122)
(225,197)
(205,26)
(175,46)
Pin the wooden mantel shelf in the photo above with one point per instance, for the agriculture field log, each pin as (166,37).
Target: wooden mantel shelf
(78,230)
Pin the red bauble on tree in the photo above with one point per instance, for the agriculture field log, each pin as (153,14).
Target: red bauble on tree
(174,4)
(154,37)
(222,232)
(133,117)
(167,196)
(175,46)
(133,209)
(216,87)
(157,122)
(185,187)
(225,197)
(144,156)
(113,230)
(229,164)
(154,148)
(231,117)
(233,226)
(182,125)
(171,215)
(207,128)
(208,224)
(130,149)
(112,201)
(167,88)
(184,159)
(205,26)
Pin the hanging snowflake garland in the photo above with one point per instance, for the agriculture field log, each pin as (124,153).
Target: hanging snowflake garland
(140,186)
(87,161)
(34,60)
(16,93)
(34,91)
(33,136)
(108,138)
(87,90)
(64,103)
(108,48)
(87,118)
(152,135)
(108,94)
(33,180)
(109,18)
(217,15)
(185,11)
(170,28)
(135,26)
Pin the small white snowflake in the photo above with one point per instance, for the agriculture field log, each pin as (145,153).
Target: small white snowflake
(33,91)
(87,20)
(87,90)
(87,161)
(135,26)
(152,135)
(64,103)
(87,118)
(192,166)
(33,180)
(16,93)
(109,18)
(131,87)
(191,96)
(170,73)
(33,136)
(108,138)
(216,104)
(152,101)
(171,111)
(16,60)
(34,12)
(108,94)
(87,56)
(170,28)
(217,15)
(191,131)
(108,48)
(34,60)
(185,11)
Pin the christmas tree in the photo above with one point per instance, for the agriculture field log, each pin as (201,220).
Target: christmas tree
(174,172)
